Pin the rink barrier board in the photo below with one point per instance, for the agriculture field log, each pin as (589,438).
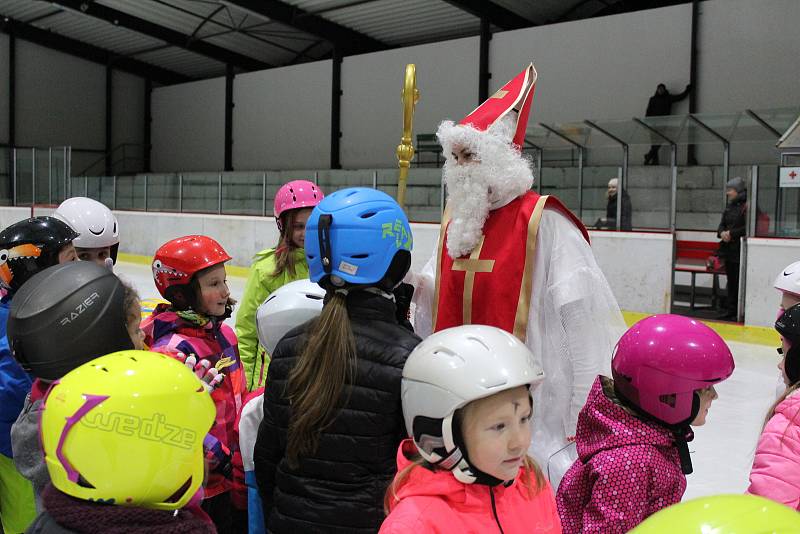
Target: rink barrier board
(758,335)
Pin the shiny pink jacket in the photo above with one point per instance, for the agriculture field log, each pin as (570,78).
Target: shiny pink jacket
(776,466)
(627,469)
(435,502)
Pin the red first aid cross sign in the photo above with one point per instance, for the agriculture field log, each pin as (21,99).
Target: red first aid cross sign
(790,177)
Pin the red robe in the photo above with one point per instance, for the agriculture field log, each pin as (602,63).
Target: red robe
(492,286)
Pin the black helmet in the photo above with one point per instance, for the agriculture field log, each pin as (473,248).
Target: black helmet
(28,246)
(788,325)
(67,315)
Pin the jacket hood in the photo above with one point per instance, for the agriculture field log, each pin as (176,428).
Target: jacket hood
(423,482)
(604,424)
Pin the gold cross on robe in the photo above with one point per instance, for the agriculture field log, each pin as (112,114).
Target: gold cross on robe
(471,265)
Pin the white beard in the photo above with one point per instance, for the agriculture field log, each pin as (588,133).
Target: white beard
(499,175)
(468,199)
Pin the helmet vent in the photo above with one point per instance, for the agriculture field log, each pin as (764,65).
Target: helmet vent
(132,358)
(313,297)
(82,482)
(480,342)
(367,214)
(360,256)
(104,369)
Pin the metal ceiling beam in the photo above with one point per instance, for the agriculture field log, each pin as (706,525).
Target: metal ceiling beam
(348,40)
(497,15)
(156,31)
(89,52)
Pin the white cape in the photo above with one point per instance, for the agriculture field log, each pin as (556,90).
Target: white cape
(574,325)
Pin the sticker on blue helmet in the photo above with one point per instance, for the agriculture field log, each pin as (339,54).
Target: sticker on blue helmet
(398,231)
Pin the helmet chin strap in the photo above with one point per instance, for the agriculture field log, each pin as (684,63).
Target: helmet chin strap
(682,431)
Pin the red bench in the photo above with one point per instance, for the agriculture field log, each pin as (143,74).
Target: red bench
(691,257)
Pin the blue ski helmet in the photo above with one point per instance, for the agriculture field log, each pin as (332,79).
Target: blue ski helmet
(358,236)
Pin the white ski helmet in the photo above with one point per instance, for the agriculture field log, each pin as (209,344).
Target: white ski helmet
(447,371)
(788,279)
(94,222)
(288,306)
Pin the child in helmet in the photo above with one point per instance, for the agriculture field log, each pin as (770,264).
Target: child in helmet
(189,272)
(324,464)
(467,405)
(288,307)
(776,465)
(788,283)
(98,238)
(633,429)
(124,449)
(272,268)
(90,312)
(26,247)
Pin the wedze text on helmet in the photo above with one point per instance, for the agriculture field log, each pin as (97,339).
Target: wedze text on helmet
(154,428)
(79,309)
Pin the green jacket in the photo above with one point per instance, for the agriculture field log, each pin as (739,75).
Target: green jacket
(260,283)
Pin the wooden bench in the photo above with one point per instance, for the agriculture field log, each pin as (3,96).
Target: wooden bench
(428,144)
(690,257)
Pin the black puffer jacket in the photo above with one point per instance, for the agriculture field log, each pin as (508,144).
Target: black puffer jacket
(340,488)
(734,220)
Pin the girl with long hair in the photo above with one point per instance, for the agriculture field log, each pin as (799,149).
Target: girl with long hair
(776,465)
(333,419)
(273,268)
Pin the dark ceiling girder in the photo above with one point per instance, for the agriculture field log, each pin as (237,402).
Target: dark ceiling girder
(349,41)
(497,15)
(162,33)
(89,52)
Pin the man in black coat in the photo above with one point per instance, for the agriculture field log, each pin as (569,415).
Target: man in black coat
(660,104)
(732,228)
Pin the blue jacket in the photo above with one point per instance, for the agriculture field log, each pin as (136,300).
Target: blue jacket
(14,383)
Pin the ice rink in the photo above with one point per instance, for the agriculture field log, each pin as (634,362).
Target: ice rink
(722,450)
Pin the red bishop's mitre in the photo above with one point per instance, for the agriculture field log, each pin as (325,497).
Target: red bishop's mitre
(515,95)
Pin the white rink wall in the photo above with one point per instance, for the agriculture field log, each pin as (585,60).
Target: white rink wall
(637,265)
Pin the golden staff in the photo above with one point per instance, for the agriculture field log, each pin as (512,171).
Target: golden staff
(405,150)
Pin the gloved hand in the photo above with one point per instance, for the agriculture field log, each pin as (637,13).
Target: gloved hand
(208,375)
(218,457)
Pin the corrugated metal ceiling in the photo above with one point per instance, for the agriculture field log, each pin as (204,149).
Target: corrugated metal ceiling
(252,35)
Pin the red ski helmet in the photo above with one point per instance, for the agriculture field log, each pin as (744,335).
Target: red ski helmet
(176,262)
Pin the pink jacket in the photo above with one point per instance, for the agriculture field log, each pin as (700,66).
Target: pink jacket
(776,466)
(168,333)
(435,502)
(627,468)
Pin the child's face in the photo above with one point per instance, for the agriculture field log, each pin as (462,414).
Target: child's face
(707,396)
(67,254)
(214,291)
(97,255)
(788,300)
(134,317)
(298,229)
(497,432)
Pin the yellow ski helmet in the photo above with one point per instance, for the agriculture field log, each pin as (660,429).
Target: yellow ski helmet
(128,428)
(723,514)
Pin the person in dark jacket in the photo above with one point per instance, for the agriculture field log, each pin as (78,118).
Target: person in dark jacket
(660,104)
(732,228)
(325,451)
(610,220)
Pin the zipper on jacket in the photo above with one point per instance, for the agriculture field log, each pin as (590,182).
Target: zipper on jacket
(494,510)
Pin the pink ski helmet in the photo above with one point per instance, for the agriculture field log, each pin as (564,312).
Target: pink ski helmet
(294,195)
(662,360)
